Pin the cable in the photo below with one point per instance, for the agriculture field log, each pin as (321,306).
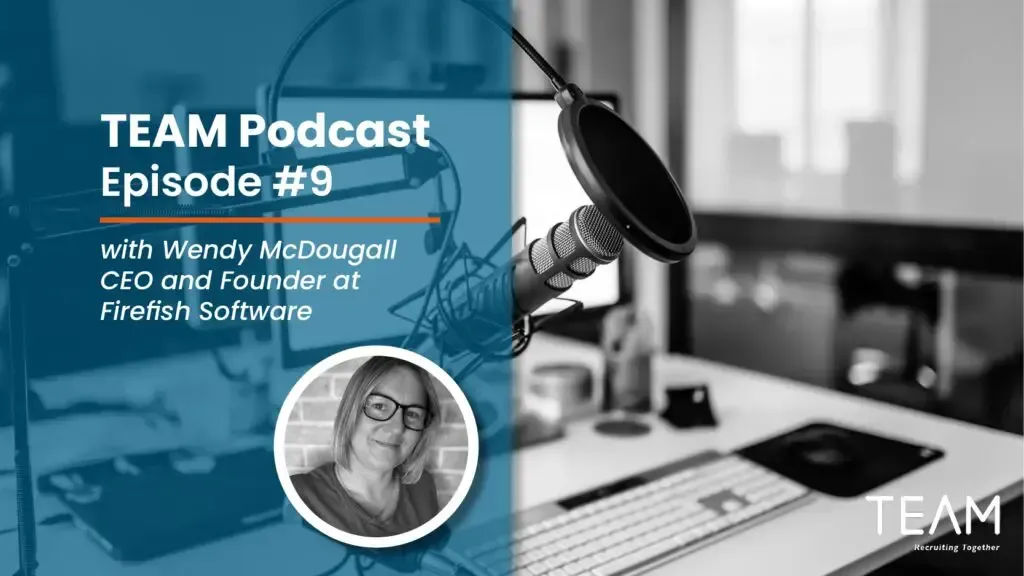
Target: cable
(361,561)
(556,79)
(360,567)
(337,567)
(293,52)
(230,375)
(449,231)
(466,566)
(370,562)
(61,518)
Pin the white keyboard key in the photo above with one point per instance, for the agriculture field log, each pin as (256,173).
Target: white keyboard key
(553,562)
(576,567)
(537,569)
(731,505)
(638,557)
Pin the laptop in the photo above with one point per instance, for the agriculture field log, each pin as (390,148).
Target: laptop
(139,507)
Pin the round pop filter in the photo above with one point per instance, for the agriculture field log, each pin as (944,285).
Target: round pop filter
(625,179)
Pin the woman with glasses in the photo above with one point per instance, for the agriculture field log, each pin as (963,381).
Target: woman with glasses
(376,485)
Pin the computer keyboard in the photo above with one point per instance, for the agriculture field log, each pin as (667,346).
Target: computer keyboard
(635,524)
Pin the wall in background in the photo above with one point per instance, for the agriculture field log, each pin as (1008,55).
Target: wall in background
(973,116)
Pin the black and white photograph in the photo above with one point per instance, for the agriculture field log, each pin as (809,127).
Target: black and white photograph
(375,446)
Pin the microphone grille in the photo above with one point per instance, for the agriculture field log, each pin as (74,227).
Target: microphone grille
(597,233)
(542,261)
(565,245)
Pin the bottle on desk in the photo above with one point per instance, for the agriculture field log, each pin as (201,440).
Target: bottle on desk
(627,342)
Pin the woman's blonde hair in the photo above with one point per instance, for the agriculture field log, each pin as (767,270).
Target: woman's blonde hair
(363,382)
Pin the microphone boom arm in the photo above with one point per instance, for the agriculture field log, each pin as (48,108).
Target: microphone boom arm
(492,340)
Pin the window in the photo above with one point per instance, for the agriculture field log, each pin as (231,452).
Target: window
(804,68)
(769,72)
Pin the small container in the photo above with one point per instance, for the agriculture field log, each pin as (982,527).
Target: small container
(627,341)
(560,392)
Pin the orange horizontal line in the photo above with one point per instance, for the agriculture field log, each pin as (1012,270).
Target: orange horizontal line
(270,220)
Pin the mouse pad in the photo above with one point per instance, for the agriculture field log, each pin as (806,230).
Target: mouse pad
(839,461)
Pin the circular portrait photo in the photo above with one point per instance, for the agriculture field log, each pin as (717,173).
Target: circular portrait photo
(376,446)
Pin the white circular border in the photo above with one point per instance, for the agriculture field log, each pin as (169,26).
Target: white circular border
(383,541)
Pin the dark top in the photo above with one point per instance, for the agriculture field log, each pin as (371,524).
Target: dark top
(320,490)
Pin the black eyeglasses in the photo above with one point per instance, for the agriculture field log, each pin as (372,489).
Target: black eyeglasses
(381,408)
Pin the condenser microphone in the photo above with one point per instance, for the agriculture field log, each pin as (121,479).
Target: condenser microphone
(570,251)
(545,269)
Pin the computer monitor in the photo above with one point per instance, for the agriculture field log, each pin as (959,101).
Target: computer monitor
(545,191)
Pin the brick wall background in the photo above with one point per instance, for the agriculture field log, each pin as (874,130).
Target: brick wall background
(308,437)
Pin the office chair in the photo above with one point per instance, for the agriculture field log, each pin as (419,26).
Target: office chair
(863,285)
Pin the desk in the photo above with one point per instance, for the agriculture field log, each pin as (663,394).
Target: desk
(828,536)
(979,463)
